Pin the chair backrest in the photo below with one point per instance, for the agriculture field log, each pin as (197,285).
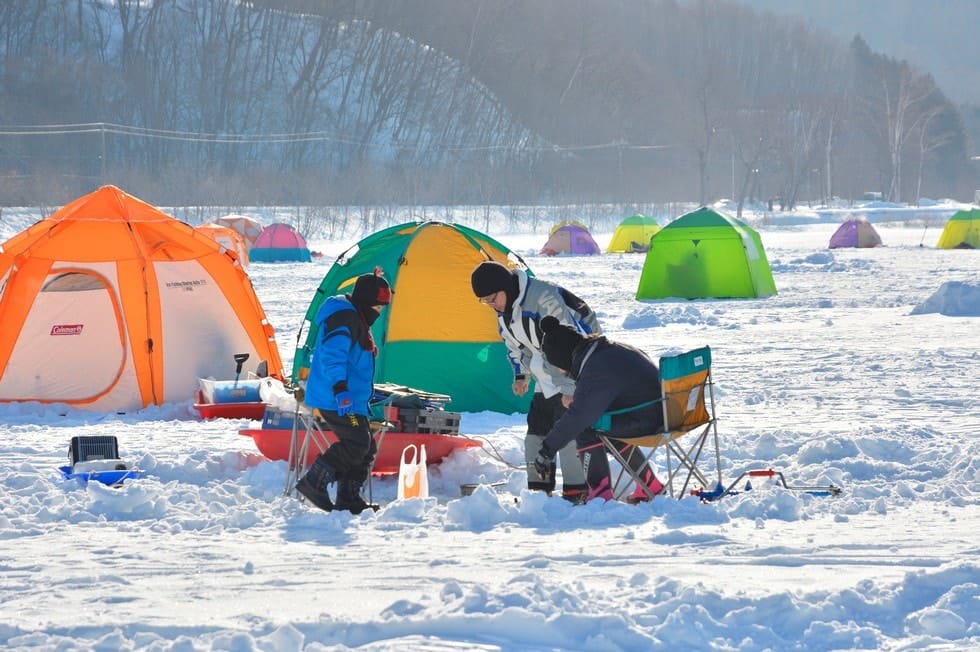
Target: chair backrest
(684,380)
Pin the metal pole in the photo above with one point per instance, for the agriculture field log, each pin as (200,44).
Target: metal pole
(102,131)
(733,169)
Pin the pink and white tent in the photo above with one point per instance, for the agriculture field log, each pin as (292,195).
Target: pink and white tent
(280,243)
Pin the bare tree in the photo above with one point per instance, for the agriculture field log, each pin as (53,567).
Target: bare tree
(894,101)
(929,141)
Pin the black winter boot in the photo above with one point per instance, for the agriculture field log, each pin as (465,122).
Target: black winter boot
(313,485)
(349,497)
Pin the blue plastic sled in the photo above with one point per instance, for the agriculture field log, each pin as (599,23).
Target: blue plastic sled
(112,478)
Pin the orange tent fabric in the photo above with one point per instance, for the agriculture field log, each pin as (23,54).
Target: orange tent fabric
(246,227)
(227,237)
(111,304)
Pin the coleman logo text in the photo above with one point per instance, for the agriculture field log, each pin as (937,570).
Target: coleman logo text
(66,329)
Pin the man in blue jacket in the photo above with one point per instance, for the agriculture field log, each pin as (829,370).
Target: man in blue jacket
(340,384)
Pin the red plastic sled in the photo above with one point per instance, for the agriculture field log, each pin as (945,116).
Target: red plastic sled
(253,411)
(274,444)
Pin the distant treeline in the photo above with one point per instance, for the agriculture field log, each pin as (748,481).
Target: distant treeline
(442,102)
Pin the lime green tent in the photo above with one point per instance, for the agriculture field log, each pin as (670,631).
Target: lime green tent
(706,254)
(962,231)
(633,235)
(435,336)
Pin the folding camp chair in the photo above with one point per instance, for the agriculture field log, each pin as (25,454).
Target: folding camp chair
(689,428)
(305,421)
(306,430)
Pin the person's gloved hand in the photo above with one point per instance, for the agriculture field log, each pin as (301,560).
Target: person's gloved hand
(345,404)
(544,463)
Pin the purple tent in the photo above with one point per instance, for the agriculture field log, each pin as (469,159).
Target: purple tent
(855,233)
(570,239)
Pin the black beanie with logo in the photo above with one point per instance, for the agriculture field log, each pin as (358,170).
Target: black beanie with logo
(370,290)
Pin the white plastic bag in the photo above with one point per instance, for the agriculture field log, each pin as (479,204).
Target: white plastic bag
(413,477)
(273,393)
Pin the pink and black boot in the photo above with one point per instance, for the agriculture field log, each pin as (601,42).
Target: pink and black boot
(654,485)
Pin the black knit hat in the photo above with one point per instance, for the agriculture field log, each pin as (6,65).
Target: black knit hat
(489,277)
(559,342)
(371,290)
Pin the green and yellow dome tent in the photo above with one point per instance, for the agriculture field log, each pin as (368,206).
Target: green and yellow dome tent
(435,336)
(633,235)
(706,254)
(962,230)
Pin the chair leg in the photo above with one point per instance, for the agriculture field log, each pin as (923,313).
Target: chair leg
(633,466)
(299,452)
(687,461)
(292,471)
(648,486)
(379,438)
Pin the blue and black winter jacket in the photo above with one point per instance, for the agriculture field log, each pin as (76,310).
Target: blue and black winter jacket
(343,357)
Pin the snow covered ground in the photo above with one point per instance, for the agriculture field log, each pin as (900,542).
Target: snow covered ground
(862,372)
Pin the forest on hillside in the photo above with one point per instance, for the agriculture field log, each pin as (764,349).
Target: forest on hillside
(938,36)
(433,102)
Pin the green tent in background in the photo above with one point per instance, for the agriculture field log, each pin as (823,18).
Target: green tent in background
(962,230)
(633,235)
(435,336)
(705,254)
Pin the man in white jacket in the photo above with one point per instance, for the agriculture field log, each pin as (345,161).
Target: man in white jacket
(521,301)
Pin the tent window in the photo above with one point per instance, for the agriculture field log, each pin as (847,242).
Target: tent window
(72,282)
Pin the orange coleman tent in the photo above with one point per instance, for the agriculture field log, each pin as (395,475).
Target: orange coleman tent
(228,238)
(248,228)
(111,304)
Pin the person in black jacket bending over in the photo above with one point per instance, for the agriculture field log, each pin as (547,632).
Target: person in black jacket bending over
(608,376)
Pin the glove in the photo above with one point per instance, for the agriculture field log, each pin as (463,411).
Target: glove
(544,463)
(345,404)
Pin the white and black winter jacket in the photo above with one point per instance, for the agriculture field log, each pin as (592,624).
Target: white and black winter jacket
(520,330)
